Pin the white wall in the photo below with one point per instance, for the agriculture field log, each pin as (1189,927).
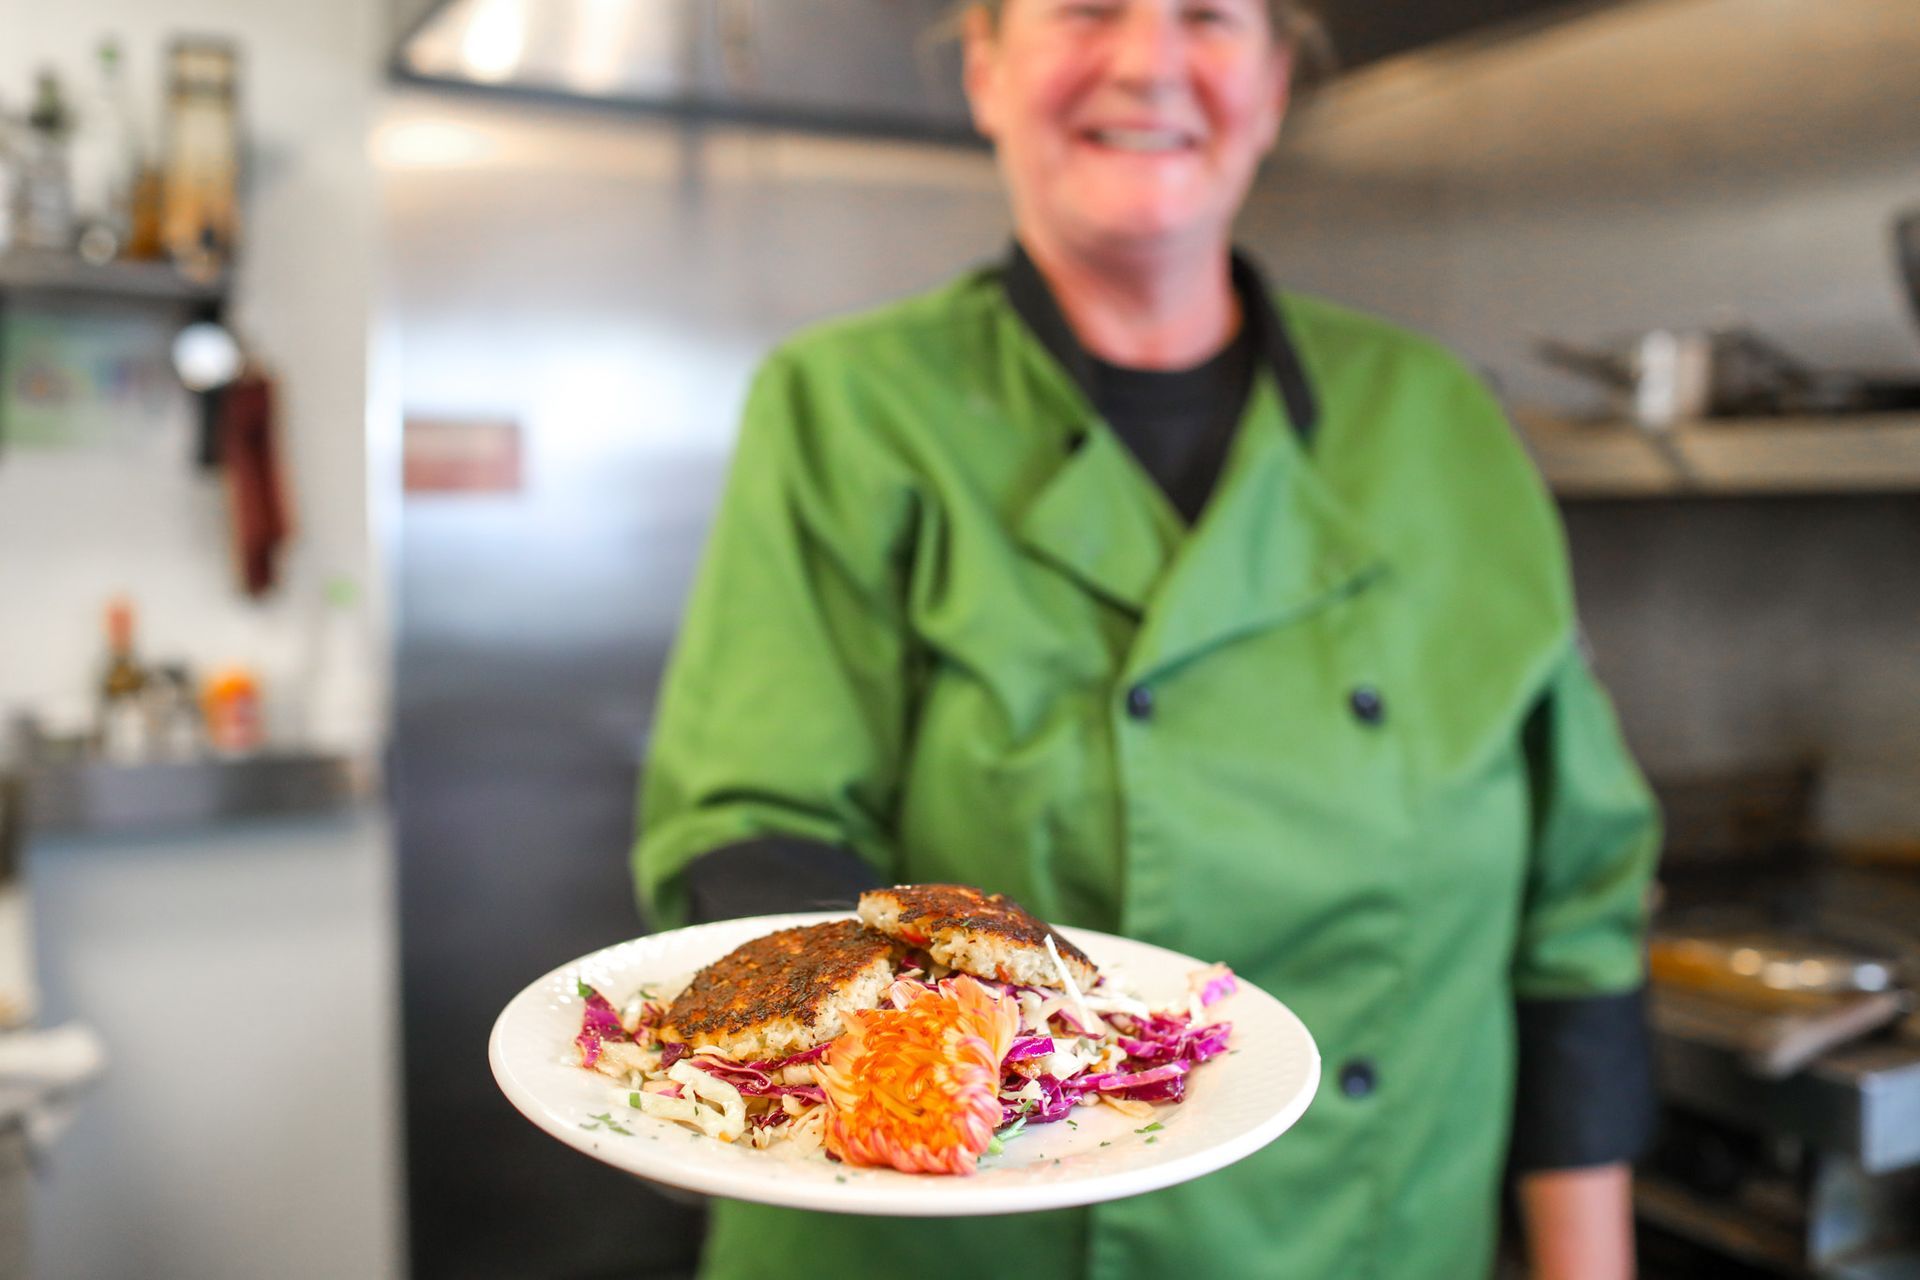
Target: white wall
(79,526)
(243,978)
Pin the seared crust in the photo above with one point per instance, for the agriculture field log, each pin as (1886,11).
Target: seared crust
(986,934)
(783,993)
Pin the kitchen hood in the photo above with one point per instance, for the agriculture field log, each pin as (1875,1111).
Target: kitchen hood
(887,67)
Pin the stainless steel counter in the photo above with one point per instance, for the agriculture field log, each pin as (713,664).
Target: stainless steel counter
(1862,1100)
(94,798)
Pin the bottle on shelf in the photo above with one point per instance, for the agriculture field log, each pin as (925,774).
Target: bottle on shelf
(230,702)
(121,727)
(46,194)
(201,218)
(108,157)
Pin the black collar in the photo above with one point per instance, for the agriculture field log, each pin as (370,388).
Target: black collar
(1033,302)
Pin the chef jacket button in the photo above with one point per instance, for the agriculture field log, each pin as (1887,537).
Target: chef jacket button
(1076,442)
(1367,704)
(1358,1078)
(1140,702)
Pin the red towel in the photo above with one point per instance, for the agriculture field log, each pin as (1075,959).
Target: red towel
(250,452)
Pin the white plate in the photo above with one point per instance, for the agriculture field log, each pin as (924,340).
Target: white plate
(1235,1104)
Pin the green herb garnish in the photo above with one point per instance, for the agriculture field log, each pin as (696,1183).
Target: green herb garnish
(605,1121)
(1155,1127)
(1151,1141)
(582,989)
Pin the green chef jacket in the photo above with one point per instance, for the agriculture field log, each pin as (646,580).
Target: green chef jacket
(1339,734)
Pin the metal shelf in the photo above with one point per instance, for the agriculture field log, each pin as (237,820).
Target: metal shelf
(1864,453)
(44,272)
(96,798)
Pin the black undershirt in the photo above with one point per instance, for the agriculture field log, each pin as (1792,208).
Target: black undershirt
(1179,423)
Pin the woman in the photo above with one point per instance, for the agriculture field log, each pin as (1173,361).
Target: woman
(1234,623)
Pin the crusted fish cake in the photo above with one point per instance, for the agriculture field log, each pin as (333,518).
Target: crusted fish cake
(783,993)
(988,935)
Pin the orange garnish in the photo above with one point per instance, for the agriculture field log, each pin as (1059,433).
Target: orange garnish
(918,1087)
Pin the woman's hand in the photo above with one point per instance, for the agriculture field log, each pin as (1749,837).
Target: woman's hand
(1579,1223)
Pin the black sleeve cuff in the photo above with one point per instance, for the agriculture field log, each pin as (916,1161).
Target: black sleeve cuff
(1584,1091)
(772,875)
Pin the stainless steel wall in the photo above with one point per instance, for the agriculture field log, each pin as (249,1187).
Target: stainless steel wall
(1658,163)
(609,284)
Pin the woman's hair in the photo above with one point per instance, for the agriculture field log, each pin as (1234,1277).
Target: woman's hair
(1294,25)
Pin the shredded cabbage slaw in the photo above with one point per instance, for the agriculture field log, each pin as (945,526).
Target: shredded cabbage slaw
(1073,1049)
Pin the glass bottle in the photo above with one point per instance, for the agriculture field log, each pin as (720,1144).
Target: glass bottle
(109,155)
(121,731)
(46,196)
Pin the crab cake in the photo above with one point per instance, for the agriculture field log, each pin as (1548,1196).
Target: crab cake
(987,935)
(784,993)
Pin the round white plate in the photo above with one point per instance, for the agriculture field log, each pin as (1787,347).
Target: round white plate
(1235,1104)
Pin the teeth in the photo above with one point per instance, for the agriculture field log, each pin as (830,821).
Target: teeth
(1141,139)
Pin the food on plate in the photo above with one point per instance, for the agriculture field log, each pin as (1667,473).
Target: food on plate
(988,935)
(918,1086)
(920,1037)
(783,993)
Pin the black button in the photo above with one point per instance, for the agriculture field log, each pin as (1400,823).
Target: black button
(1357,1078)
(1076,441)
(1140,702)
(1367,704)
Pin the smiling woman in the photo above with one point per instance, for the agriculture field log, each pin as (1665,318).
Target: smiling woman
(1114,581)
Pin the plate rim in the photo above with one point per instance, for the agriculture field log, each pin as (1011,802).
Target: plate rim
(895,1200)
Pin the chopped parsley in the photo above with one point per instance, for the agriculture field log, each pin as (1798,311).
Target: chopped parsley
(1073,1124)
(839,1177)
(1155,1127)
(998,1143)
(1151,1141)
(580,987)
(1106,1144)
(605,1121)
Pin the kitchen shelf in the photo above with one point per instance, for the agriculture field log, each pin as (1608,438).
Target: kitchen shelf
(1862,453)
(44,272)
(97,798)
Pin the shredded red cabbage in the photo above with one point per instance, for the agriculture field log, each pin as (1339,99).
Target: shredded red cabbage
(1029,1047)
(671,1051)
(1160,1038)
(1121,1081)
(753,1083)
(598,1025)
(814,1054)
(1219,988)
(1056,1102)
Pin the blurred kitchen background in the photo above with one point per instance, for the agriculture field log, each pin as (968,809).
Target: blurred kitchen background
(368,371)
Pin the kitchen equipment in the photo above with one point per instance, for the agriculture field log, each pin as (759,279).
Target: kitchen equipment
(1666,376)
(1777,999)
(16,951)
(1906,242)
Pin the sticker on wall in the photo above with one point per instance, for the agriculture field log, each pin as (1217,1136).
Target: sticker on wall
(84,379)
(461,455)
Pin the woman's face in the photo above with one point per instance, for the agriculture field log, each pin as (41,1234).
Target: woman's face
(1127,126)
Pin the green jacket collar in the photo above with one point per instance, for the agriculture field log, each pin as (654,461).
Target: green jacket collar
(1034,303)
(1273,544)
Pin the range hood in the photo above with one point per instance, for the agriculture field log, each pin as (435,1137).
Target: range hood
(861,66)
